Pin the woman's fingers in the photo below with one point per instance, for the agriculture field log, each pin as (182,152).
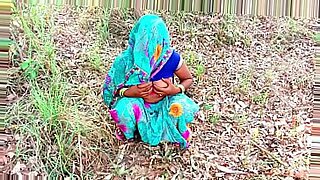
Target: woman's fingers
(145,85)
(146,92)
(150,90)
(160,90)
(167,81)
(143,95)
(146,89)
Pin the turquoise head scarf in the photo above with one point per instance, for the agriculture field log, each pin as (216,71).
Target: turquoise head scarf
(148,51)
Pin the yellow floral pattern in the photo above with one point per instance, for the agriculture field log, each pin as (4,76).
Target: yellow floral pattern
(176,110)
(157,53)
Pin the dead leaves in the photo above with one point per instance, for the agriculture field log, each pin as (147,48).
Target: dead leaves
(254,94)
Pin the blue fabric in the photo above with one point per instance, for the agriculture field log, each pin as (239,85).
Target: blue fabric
(169,68)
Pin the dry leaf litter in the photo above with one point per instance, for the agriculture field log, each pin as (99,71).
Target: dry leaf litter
(253,81)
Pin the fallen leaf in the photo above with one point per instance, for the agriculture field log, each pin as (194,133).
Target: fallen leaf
(228,170)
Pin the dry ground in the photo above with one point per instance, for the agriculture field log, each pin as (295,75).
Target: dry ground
(253,81)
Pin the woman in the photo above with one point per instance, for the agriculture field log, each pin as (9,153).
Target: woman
(139,88)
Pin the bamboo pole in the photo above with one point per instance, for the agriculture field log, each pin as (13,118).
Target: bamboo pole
(281,9)
(313,5)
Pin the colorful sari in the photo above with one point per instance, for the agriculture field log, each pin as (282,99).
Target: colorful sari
(148,51)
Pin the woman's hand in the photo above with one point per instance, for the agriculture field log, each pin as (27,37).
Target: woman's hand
(167,88)
(139,91)
(154,98)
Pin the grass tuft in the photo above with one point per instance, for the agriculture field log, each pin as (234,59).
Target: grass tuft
(57,138)
(261,98)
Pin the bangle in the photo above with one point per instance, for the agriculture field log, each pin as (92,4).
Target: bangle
(121,92)
(182,88)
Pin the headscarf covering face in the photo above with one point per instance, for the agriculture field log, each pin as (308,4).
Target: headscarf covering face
(148,51)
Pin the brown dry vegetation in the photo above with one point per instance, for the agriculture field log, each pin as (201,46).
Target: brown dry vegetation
(253,81)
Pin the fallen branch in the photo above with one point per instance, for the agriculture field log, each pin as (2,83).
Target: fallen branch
(228,170)
(269,153)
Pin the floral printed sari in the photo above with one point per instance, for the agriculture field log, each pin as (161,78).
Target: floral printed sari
(148,51)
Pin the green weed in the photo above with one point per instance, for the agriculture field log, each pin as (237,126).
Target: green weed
(214,119)
(95,58)
(125,13)
(195,62)
(38,27)
(261,98)
(317,37)
(208,107)
(269,76)
(103,25)
(120,170)
(50,102)
(93,54)
(200,70)
(293,25)
(30,68)
(255,134)
(244,82)
(190,57)
(241,118)
(229,32)
(54,130)
(297,29)
(165,175)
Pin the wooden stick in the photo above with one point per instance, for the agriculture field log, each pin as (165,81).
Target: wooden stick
(269,153)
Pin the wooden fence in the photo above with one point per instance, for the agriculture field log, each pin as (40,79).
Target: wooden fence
(292,8)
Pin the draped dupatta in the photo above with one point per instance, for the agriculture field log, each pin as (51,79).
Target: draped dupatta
(147,52)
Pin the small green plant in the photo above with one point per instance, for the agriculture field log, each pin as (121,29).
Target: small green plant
(103,26)
(200,70)
(255,134)
(120,170)
(195,61)
(214,119)
(93,54)
(245,161)
(95,58)
(164,175)
(240,118)
(269,75)
(190,57)
(58,133)
(229,32)
(261,98)
(125,12)
(245,82)
(293,25)
(208,107)
(30,68)
(317,37)
(49,102)
(297,29)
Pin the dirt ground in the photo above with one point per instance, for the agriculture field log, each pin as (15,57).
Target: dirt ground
(253,81)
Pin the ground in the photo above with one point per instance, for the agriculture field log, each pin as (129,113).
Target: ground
(253,82)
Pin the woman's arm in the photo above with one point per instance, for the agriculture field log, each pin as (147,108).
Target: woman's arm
(184,76)
(139,91)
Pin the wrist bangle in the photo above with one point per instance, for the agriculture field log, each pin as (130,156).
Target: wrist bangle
(182,88)
(121,92)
